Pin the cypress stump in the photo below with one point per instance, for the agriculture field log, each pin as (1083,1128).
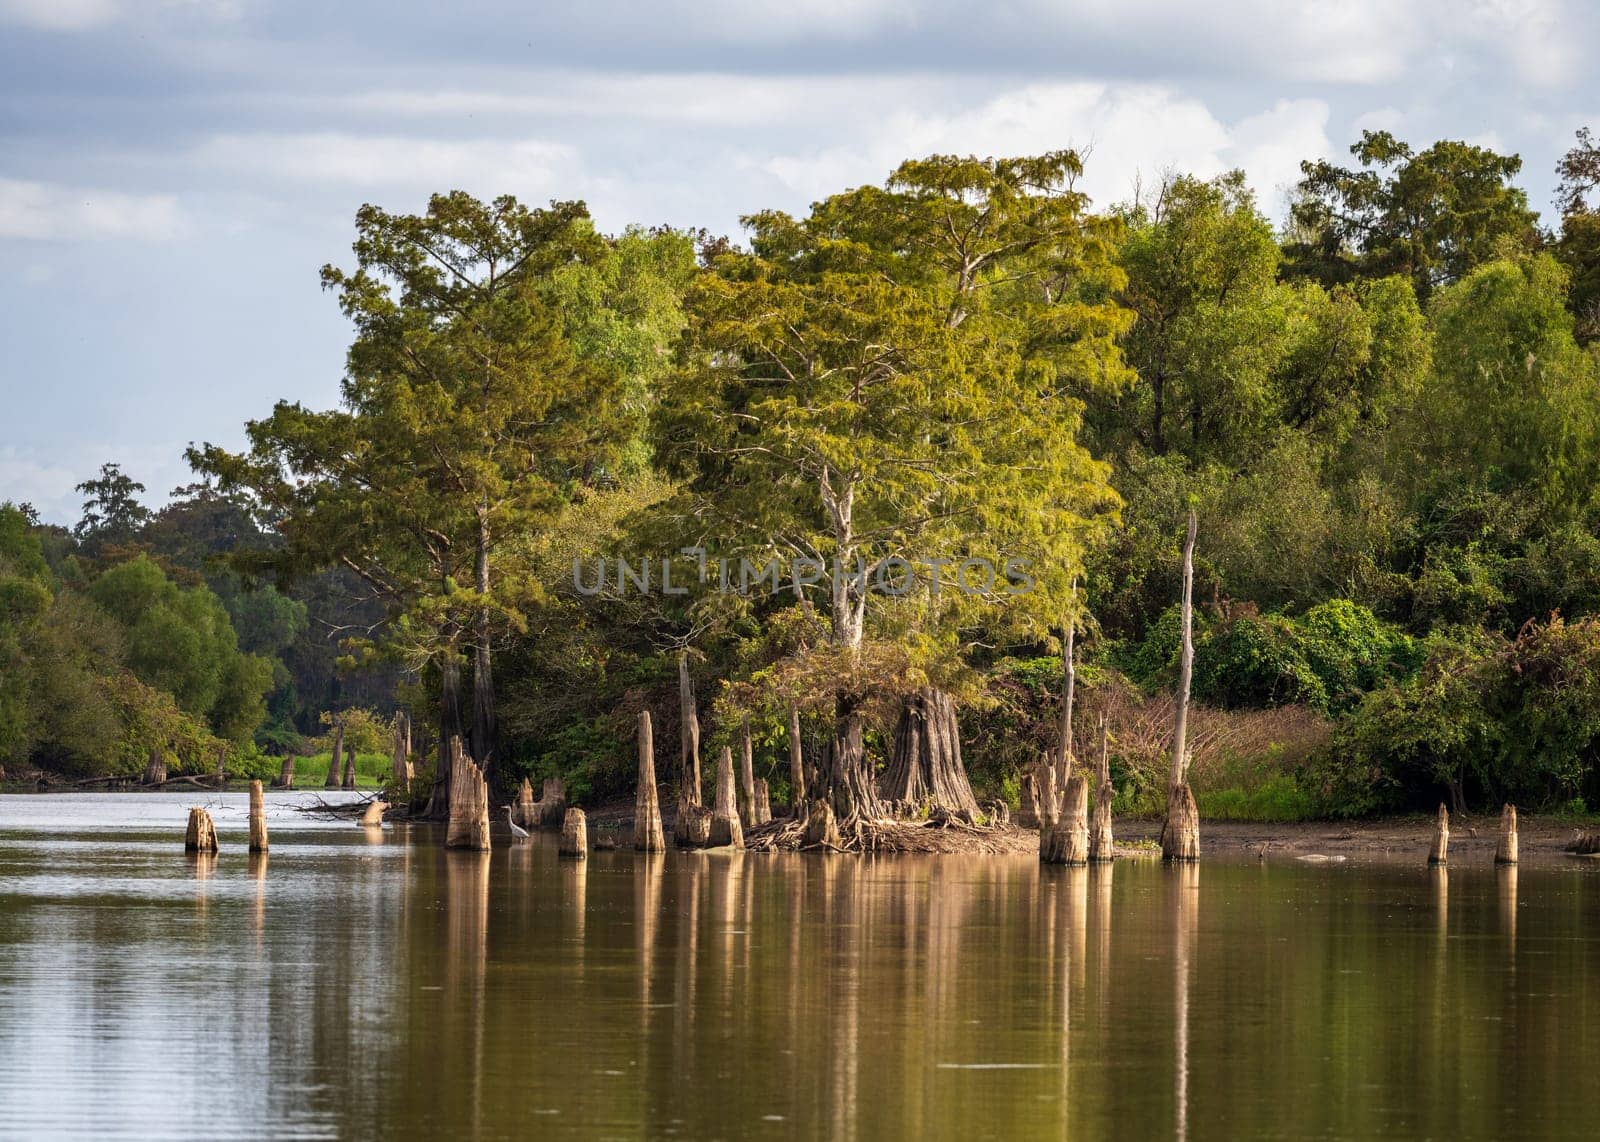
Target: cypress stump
(258,818)
(822,830)
(647,834)
(286,774)
(925,765)
(1068,841)
(155,770)
(763,802)
(1101,846)
(349,767)
(1439,853)
(469,803)
(523,812)
(1506,852)
(335,757)
(201,836)
(1180,834)
(574,835)
(725,828)
(1028,803)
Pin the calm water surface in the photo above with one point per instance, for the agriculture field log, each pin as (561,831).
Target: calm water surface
(361,985)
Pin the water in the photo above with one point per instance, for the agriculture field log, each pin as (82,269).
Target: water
(373,985)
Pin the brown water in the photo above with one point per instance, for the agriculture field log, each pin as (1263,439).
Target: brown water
(356,985)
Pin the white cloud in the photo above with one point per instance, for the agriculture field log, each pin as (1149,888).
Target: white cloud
(1127,133)
(51,211)
(84,15)
(485,166)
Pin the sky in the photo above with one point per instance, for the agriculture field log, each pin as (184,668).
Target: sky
(173,173)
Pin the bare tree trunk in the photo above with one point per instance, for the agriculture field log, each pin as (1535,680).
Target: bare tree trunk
(763,812)
(1068,842)
(574,836)
(647,834)
(286,774)
(1101,846)
(1180,836)
(201,835)
(402,770)
(1440,852)
(485,725)
(925,764)
(747,777)
(155,770)
(258,818)
(349,767)
(797,767)
(336,757)
(688,736)
(1028,802)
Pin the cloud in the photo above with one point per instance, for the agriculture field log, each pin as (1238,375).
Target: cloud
(1128,133)
(53,212)
(86,15)
(487,166)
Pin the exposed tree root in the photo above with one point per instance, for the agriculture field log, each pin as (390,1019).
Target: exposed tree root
(940,833)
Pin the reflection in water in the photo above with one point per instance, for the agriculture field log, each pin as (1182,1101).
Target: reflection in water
(402,991)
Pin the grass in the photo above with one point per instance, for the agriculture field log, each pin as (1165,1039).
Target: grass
(372,770)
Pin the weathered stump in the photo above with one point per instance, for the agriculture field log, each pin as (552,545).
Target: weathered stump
(1506,852)
(1068,841)
(201,836)
(372,816)
(574,835)
(155,770)
(285,774)
(335,757)
(725,827)
(747,778)
(349,767)
(691,827)
(1044,780)
(925,764)
(469,803)
(258,818)
(524,812)
(1440,852)
(647,834)
(550,811)
(1101,846)
(402,771)
(822,831)
(1180,835)
(1028,803)
(763,802)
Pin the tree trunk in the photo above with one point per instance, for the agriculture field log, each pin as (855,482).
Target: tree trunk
(725,828)
(449,730)
(1506,852)
(1068,842)
(688,736)
(335,756)
(349,767)
(524,812)
(1049,797)
(1028,803)
(1440,852)
(821,831)
(925,764)
(551,809)
(286,774)
(797,767)
(763,812)
(850,785)
(1101,846)
(1180,836)
(647,834)
(485,726)
(258,818)
(469,803)
(574,836)
(402,771)
(747,777)
(1069,684)
(155,770)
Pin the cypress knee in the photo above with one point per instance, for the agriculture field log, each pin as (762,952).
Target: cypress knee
(647,834)
(258,818)
(201,836)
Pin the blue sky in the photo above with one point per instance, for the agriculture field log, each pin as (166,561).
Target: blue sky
(174,172)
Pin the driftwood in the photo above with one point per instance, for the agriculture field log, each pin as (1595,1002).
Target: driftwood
(335,756)
(574,835)
(201,835)
(1068,841)
(763,812)
(258,818)
(1439,851)
(1101,846)
(469,803)
(725,827)
(925,762)
(1180,835)
(1506,851)
(647,834)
